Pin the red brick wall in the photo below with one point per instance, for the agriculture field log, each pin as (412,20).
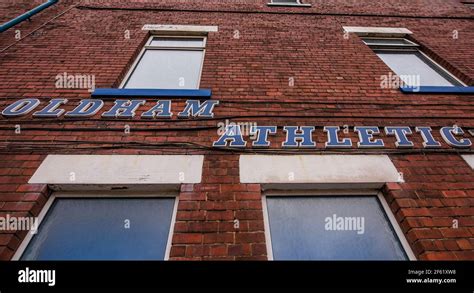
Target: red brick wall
(438,190)
(205,227)
(336,83)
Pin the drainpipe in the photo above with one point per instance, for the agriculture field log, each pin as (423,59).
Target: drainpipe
(26,15)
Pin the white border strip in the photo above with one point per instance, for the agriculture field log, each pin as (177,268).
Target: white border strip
(171,232)
(317,169)
(119,169)
(368,30)
(180,28)
(19,251)
(469,160)
(396,227)
(266,224)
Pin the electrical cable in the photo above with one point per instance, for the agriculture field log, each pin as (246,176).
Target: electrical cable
(37,145)
(165,9)
(40,27)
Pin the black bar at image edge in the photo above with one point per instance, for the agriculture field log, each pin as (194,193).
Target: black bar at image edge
(448,276)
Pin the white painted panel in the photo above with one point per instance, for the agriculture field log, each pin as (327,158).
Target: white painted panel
(469,159)
(321,169)
(179,28)
(119,169)
(388,31)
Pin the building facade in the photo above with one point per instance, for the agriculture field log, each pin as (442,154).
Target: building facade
(238,130)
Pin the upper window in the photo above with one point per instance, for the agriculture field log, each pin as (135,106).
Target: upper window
(389,42)
(470,5)
(288,2)
(331,228)
(103,229)
(407,61)
(168,63)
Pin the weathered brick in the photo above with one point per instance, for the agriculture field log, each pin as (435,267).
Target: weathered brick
(185,238)
(331,87)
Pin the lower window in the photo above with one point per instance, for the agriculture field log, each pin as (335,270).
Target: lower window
(103,229)
(330,228)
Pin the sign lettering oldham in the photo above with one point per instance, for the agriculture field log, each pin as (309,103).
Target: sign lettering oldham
(197,106)
(122,108)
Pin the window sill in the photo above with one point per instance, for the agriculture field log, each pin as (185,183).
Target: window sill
(289,4)
(465,90)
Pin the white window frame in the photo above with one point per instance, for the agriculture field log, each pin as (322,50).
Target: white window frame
(297,4)
(411,47)
(468,4)
(410,43)
(469,160)
(148,46)
(315,193)
(106,194)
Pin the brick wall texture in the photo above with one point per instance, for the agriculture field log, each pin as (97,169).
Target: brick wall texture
(248,64)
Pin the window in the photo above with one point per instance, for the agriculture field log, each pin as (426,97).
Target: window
(470,5)
(469,160)
(287,3)
(168,63)
(389,42)
(412,66)
(102,228)
(330,228)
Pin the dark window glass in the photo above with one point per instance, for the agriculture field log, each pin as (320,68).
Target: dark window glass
(95,229)
(299,229)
